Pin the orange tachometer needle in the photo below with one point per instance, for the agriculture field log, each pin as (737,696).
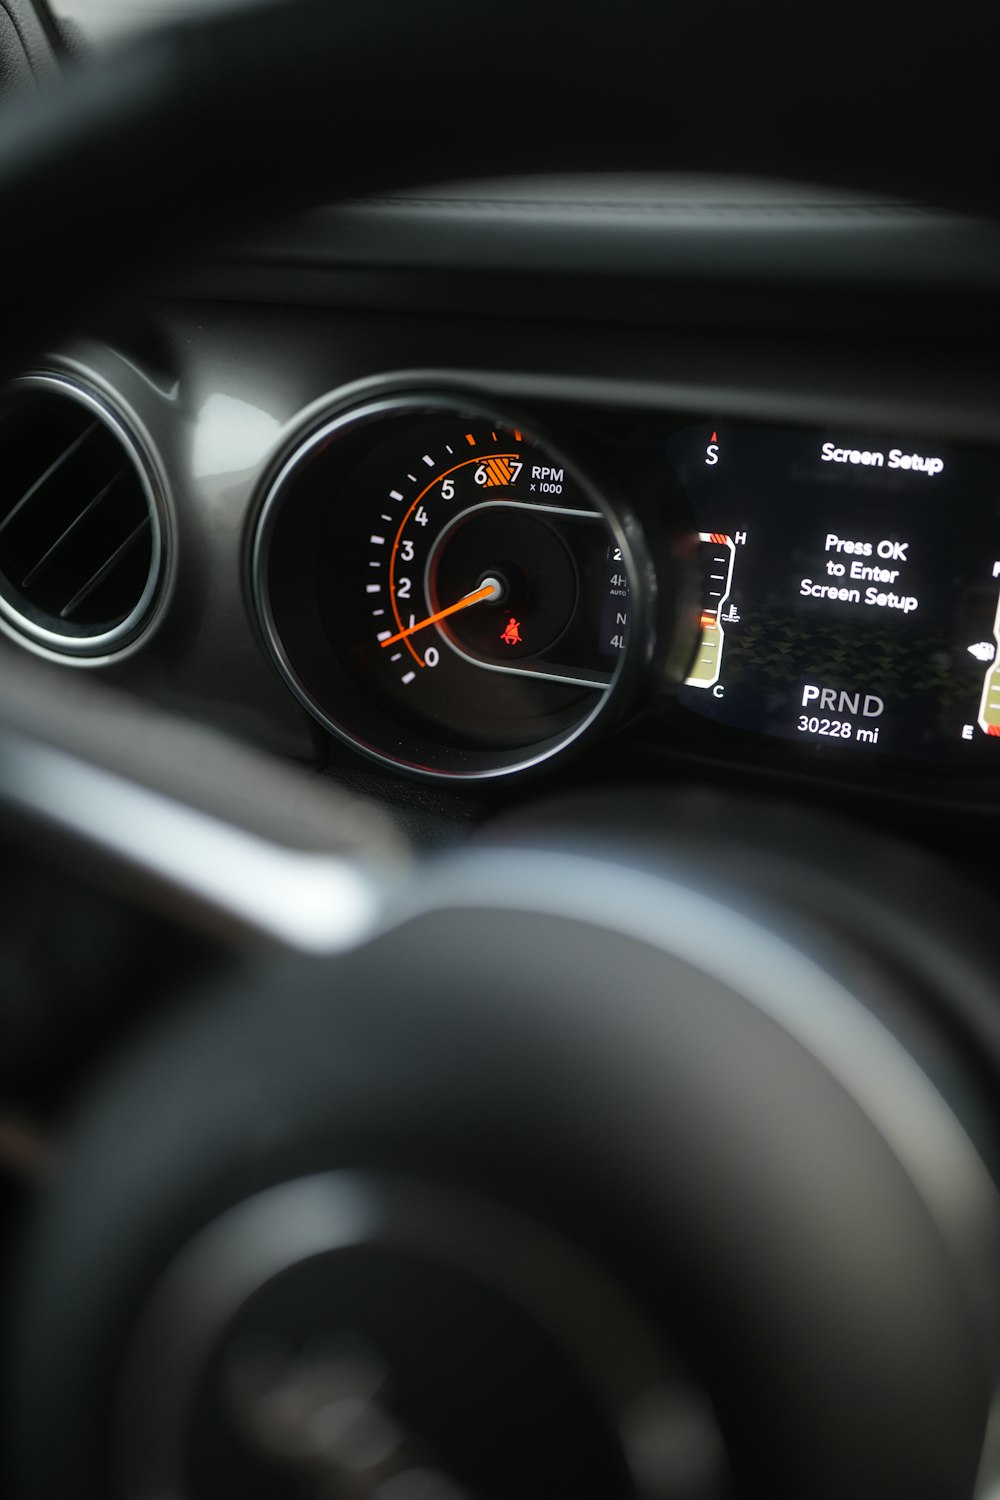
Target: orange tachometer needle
(490,590)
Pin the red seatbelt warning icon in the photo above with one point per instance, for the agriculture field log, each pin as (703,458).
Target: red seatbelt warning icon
(512,635)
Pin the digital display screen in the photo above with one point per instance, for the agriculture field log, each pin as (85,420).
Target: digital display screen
(851,591)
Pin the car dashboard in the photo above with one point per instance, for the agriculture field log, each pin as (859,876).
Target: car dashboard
(724,452)
(465,650)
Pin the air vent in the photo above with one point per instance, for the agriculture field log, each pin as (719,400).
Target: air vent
(80,537)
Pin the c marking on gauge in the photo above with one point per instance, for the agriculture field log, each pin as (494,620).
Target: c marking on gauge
(438,479)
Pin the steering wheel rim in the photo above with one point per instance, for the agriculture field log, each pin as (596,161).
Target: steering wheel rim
(213,106)
(514,1095)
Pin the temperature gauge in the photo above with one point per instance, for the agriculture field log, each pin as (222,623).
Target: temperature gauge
(718,552)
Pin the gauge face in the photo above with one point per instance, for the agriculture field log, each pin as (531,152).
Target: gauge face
(442,589)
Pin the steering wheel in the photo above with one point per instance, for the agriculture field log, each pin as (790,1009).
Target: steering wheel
(648,1148)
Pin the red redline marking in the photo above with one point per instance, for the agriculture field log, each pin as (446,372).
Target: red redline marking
(718,537)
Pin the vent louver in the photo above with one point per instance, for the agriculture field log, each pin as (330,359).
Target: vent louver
(80,540)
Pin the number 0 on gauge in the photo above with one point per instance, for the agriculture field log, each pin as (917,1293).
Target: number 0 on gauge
(441,588)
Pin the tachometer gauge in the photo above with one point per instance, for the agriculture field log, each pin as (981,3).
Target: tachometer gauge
(442,589)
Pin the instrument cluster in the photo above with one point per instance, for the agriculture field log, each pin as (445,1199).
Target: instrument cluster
(463,592)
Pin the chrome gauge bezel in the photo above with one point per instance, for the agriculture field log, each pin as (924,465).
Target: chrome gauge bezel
(357,718)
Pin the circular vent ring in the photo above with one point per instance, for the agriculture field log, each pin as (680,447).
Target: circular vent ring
(81,522)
